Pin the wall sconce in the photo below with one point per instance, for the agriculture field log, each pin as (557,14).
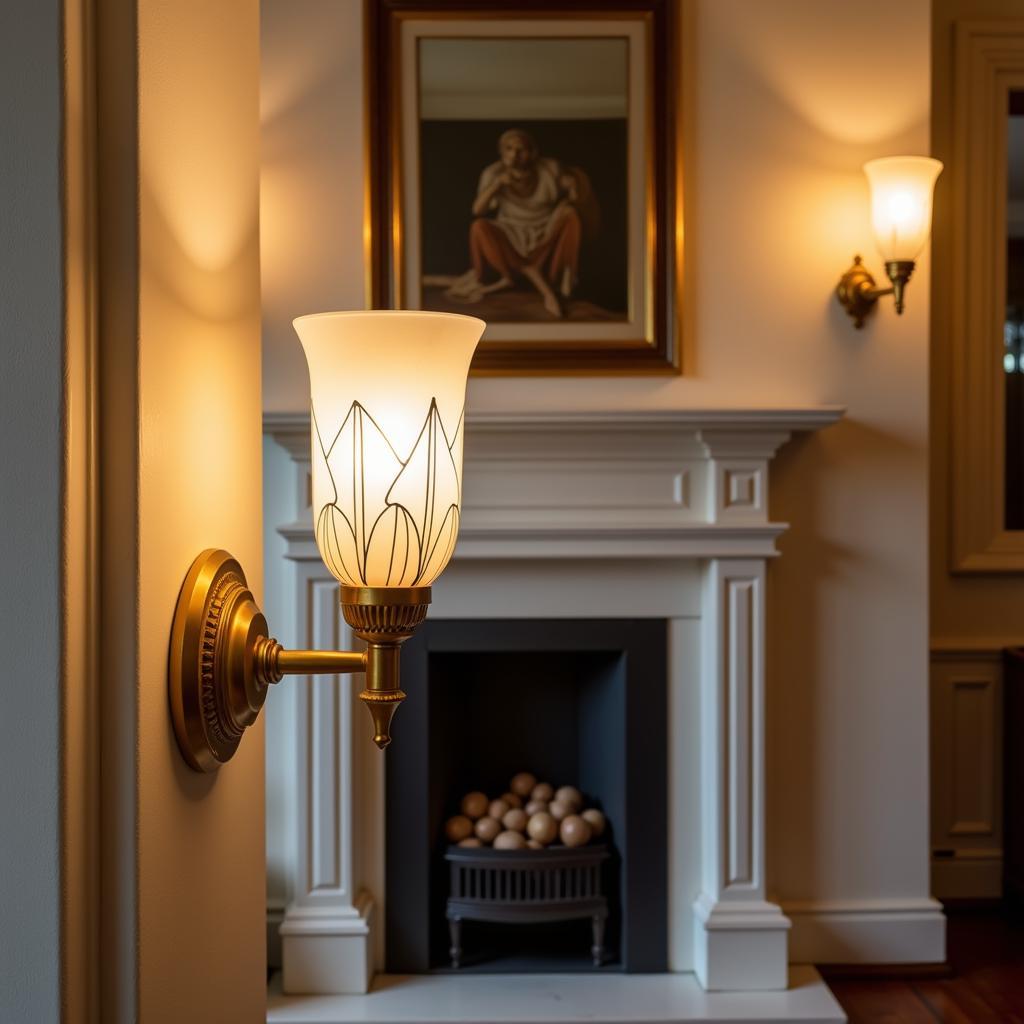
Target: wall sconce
(388,391)
(901,215)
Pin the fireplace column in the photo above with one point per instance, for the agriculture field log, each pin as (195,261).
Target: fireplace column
(740,939)
(328,936)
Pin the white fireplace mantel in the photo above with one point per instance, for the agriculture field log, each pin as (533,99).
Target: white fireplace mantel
(668,510)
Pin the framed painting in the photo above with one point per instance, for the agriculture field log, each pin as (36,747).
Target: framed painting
(524,167)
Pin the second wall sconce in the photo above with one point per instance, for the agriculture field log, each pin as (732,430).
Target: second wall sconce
(388,394)
(901,216)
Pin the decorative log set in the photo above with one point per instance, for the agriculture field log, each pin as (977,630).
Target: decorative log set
(521,879)
(531,814)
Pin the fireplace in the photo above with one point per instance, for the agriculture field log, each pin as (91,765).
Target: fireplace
(597,540)
(579,701)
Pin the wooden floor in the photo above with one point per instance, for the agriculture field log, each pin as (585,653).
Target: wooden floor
(986,954)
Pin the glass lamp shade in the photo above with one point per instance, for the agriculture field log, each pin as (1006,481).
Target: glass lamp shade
(901,203)
(388,395)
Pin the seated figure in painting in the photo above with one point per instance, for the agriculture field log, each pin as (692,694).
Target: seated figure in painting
(530,214)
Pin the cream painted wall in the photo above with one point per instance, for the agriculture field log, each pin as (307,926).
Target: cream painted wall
(200,838)
(786,99)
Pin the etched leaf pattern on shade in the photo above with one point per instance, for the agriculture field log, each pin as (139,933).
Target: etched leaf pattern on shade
(399,523)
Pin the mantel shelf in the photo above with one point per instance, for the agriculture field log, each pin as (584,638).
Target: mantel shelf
(281,425)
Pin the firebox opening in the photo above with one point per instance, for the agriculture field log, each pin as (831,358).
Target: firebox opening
(575,702)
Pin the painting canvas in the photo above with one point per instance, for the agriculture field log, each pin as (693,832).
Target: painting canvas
(524,196)
(522,171)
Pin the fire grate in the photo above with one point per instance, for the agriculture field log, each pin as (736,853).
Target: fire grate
(559,883)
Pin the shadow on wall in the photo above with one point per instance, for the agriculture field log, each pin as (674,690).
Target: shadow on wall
(821,790)
(311,178)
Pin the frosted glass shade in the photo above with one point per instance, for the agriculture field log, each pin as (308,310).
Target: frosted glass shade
(901,203)
(388,395)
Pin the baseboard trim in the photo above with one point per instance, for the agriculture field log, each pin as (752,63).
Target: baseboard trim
(966,906)
(968,875)
(869,932)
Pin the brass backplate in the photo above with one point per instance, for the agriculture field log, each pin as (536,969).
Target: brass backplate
(214,694)
(856,292)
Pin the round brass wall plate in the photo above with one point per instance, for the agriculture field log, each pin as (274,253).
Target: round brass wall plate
(216,624)
(856,292)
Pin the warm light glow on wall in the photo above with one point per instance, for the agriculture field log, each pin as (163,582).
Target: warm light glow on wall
(388,393)
(901,203)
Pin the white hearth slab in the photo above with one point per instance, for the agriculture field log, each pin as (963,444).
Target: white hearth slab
(558,999)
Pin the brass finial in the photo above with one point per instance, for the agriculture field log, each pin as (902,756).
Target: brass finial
(382,705)
(899,271)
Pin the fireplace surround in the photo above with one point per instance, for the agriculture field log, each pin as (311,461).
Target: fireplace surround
(582,516)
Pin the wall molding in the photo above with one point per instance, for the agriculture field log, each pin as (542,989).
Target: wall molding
(989,61)
(972,647)
(966,726)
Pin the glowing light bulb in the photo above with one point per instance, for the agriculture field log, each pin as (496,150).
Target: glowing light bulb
(901,203)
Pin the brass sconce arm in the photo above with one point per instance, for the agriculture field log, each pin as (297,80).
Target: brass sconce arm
(223,660)
(274,662)
(857,292)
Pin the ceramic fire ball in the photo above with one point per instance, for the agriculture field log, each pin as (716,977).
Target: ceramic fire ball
(558,809)
(534,845)
(509,841)
(535,807)
(515,819)
(474,805)
(498,809)
(471,843)
(512,799)
(595,819)
(486,829)
(457,828)
(574,831)
(542,827)
(570,795)
(522,784)
(542,791)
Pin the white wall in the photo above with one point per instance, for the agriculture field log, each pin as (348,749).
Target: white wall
(31,453)
(786,99)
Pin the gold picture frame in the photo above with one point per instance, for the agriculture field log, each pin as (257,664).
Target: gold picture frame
(524,166)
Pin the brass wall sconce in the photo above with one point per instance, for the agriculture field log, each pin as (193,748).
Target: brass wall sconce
(387,427)
(901,216)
